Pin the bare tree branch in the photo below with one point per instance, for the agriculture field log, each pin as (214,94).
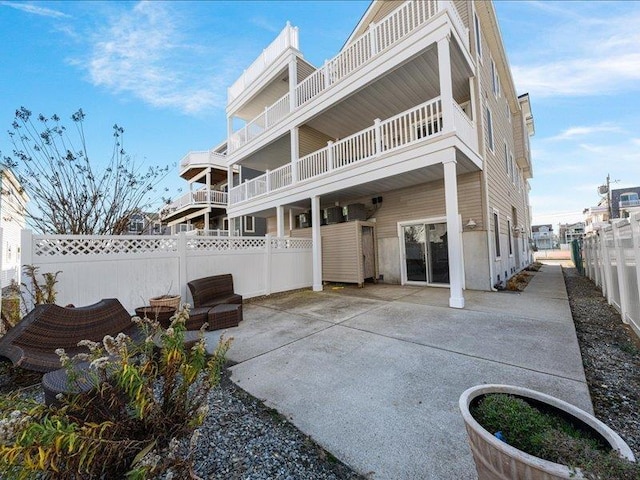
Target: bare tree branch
(69,194)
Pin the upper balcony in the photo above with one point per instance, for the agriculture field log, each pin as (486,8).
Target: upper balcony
(193,202)
(419,125)
(288,38)
(194,164)
(396,27)
(629,203)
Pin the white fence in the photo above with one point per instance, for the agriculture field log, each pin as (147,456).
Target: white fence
(612,261)
(136,268)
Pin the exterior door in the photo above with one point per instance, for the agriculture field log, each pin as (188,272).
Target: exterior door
(426,254)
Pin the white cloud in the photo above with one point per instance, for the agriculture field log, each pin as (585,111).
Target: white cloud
(34,9)
(588,49)
(265,24)
(580,131)
(144,52)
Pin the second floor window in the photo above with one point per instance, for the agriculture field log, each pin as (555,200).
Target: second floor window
(489,129)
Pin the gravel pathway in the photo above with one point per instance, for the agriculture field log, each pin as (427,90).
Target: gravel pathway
(611,358)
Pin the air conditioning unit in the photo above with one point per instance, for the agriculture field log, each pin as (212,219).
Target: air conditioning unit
(305,220)
(355,211)
(334,215)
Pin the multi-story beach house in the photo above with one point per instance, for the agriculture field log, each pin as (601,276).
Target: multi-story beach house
(405,157)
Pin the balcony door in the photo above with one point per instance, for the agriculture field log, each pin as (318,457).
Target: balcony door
(425,254)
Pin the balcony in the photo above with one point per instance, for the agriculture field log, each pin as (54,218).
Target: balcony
(629,203)
(194,163)
(419,124)
(288,38)
(205,197)
(398,25)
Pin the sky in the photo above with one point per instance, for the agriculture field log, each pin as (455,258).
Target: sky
(161,70)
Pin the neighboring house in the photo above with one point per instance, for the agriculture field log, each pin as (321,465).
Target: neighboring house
(13,200)
(624,201)
(568,232)
(596,217)
(144,223)
(203,209)
(414,129)
(543,238)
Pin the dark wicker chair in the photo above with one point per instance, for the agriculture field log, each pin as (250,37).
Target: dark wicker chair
(32,343)
(214,290)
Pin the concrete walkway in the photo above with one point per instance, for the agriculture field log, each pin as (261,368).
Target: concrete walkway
(374,374)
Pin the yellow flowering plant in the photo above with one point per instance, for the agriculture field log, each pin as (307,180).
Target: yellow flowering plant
(146,399)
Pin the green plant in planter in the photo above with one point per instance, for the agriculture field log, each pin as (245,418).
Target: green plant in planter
(551,437)
(135,423)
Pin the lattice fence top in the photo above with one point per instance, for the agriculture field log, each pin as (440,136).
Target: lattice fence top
(291,243)
(220,244)
(76,245)
(45,246)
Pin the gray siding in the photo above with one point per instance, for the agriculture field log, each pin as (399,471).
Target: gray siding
(310,140)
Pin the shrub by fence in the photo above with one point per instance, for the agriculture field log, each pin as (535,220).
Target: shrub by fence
(611,260)
(136,268)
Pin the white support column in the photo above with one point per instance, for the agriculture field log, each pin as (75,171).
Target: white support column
(317,244)
(229,127)
(293,83)
(208,212)
(446,84)
(295,153)
(280,221)
(456,297)
(292,221)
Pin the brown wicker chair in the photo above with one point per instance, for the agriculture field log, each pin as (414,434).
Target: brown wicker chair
(214,290)
(32,343)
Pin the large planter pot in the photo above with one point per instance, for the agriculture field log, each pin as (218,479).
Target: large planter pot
(495,459)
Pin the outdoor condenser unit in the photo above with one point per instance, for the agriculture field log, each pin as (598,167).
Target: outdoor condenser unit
(305,220)
(355,211)
(334,215)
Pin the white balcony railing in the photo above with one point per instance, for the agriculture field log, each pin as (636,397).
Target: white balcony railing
(629,203)
(203,197)
(288,38)
(394,27)
(203,158)
(420,123)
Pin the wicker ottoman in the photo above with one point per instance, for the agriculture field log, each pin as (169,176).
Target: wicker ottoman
(225,315)
(57,381)
(197,316)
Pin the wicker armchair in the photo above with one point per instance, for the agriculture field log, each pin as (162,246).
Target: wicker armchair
(214,290)
(32,343)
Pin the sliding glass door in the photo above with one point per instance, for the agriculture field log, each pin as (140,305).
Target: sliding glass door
(426,254)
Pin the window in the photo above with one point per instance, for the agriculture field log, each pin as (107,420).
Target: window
(496,233)
(476,24)
(489,129)
(506,158)
(249,224)
(508,112)
(225,224)
(509,235)
(513,168)
(495,79)
(136,224)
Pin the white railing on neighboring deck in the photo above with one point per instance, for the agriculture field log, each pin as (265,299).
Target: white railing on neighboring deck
(419,123)
(394,27)
(205,157)
(203,196)
(288,38)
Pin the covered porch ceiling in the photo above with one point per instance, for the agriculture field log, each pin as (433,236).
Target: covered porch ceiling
(414,82)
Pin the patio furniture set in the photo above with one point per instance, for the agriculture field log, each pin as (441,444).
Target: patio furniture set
(31,344)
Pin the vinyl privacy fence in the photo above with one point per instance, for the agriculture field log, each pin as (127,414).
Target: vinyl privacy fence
(612,261)
(136,268)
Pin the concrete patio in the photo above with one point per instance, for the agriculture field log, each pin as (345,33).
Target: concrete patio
(374,374)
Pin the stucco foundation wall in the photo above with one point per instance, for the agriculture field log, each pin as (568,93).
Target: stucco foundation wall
(389,259)
(476,260)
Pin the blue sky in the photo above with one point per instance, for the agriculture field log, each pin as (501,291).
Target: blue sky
(161,70)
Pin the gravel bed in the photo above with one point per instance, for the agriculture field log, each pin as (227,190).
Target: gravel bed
(243,439)
(611,358)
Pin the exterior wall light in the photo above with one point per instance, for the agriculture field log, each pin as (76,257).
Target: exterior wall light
(471,224)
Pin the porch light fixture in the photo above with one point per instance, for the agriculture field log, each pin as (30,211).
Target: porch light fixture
(471,224)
